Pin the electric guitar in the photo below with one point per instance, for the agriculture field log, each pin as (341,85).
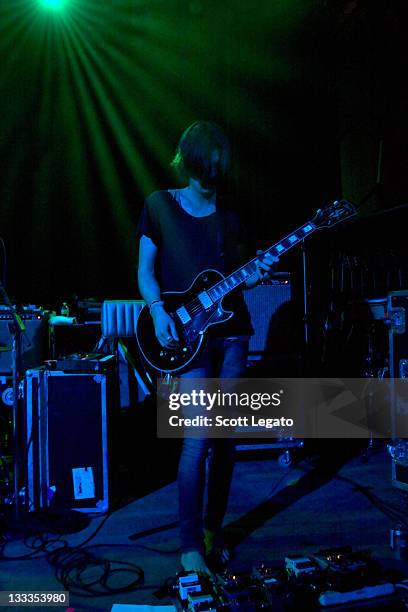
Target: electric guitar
(198,308)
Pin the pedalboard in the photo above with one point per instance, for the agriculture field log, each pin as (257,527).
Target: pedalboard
(330,579)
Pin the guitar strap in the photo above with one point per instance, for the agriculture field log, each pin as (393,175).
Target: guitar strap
(221,237)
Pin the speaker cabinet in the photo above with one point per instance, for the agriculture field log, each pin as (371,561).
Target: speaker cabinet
(269,305)
(34,342)
(67,432)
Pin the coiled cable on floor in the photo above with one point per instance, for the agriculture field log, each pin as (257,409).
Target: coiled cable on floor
(77,568)
(85,575)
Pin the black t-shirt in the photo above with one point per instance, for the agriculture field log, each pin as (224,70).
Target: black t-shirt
(188,245)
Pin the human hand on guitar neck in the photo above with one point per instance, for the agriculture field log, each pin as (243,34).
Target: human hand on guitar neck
(264,268)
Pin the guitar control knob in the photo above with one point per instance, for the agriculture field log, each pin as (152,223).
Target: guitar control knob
(184,349)
(172,358)
(161,353)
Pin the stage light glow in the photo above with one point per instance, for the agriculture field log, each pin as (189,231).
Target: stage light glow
(53,5)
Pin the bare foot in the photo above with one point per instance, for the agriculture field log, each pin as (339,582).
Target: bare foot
(194,561)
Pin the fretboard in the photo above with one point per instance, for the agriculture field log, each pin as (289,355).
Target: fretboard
(240,276)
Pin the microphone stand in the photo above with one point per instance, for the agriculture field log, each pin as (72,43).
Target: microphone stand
(306,290)
(307,357)
(17,328)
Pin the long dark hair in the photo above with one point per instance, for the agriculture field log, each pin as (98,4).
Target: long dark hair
(193,156)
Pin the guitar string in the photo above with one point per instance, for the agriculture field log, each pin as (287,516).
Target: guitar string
(195,305)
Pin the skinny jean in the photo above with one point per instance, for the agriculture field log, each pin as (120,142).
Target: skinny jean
(206,465)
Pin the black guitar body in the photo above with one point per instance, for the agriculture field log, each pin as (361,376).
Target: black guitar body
(192,316)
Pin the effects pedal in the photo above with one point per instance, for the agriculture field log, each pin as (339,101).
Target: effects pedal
(188,582)
(298,566)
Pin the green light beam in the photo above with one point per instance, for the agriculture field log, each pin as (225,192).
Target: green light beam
(53,5)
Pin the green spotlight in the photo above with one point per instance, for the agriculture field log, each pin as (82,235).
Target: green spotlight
(53,5)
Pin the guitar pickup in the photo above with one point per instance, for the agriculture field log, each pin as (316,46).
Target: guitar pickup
(183,315)
(205,299)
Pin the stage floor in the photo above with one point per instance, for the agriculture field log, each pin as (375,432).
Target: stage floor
(273,511)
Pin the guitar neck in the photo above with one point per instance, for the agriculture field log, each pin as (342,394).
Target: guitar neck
(240,276)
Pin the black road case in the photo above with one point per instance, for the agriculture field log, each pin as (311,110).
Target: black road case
(67,437)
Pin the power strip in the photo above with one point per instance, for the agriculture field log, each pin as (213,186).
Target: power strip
(331,598)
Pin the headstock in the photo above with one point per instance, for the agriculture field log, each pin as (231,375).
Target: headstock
(334,213)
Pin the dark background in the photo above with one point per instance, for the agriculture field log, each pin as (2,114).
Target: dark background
(93,100)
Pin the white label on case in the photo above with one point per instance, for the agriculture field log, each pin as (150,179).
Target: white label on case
(84,486)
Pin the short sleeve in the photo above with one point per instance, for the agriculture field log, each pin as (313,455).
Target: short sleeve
(148,224)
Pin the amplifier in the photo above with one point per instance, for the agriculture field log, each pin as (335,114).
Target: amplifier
(67,433)
(34,341)
(68,339)
(30,316)
(268,306)
(27,313)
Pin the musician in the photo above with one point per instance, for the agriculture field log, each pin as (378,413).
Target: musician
(182,232)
